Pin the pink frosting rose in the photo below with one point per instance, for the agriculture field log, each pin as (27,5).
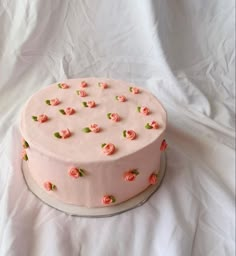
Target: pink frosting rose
(83,84)
(94,128)
(135,90)
(42,118)
(144,110)
(115,117)
(103,85)
(48,185)
(121,98)
(65,133)
(69,111)
(74,173)
(64,86)
(82,93)
(154,125)
(54,102)
(130,134)
(24,154)
(153,179)
(108,149)
(129,176)
(163,145)
(91,104)
(107,199)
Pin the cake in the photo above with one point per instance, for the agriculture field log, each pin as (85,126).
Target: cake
(93,142)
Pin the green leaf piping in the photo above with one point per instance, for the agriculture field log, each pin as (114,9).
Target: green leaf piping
(109,115)
(138,108)
(113,199)
(53,187)
(81,172)
(57,135)
(86,129)
(62,111)
(85,104)
(116,97)
(148,126)
(47,102)
(103,145)
(35,118)
(135,171)
(59,85)
(124,133)
(130,89)
(25,145)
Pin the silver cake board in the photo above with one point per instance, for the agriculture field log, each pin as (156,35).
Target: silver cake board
(82,211)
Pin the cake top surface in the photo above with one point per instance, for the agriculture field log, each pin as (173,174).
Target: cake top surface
(98,114)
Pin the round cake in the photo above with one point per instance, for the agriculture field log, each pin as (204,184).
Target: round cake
(93,142)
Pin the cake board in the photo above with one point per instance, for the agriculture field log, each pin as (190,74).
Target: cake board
(96,212)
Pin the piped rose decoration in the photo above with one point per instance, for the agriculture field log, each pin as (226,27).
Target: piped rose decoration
(114,117)
(24,155)
(49,186)
(83,84)
(89,104)
(76,172)
(129,134)
(134,90)
(152,125)
(163,145)
(143,110)
(108,199)
(103,85)
(63,86)
(153,179)
(81,93)
(24,143)
(108,149)
(130,175)
(63,134)
(92,128)
(53,102)
(41,118)
(67,111)
(121,98)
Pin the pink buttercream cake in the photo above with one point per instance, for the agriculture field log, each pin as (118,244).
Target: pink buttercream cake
(93,142)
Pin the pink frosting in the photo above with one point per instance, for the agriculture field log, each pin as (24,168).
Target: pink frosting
(108,149)
(135,90)
(94,128)
(42,118)
(83,84)
(121,98)
(153,179)
(48,186)
(145,111)
(115,117)
(91,104)
(103,85)
(74,173)
(69,111)
(130,134)
(54,102)
(163,145)
(65,133)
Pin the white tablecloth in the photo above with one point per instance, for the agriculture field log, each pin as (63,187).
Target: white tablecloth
(183,52)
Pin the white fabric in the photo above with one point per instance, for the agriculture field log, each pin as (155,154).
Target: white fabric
(182,51)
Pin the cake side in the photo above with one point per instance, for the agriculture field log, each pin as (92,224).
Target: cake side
(111,150)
